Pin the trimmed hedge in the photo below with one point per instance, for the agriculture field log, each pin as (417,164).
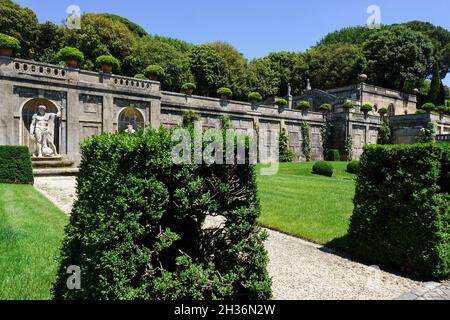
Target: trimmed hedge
(281,102)
(70,53)
(333,155)
(353,167)
(254,96)
(108,60)
(155,70)
(15,165)
(402,208)
(188,86)
(323,168)
(225,92)
(137,228)
(303,105)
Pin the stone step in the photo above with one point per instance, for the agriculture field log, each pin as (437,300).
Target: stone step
(51,164)
(46,159)
(56,172)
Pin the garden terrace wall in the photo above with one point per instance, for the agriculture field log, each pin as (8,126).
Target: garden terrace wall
(402,208)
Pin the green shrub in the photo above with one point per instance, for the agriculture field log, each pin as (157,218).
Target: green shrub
(333,155)
(326,107)
(188,87)
(428,107)
(224,92)
(383,111)
(136,227)
(441,109)
(154,70)
(285,152)
(353,167)
(348,105)
(70,53)
(281,102)
(367,107)
(8,42)
(420,111)
(402,208)
(108,60)
(303,105)
(254,96)
(323,168)
(189,118)
(140,76)
(15,165)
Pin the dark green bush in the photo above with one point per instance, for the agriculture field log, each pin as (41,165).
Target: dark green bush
(154,70)
(70,53)
(367,107)
(402,208)
(137,229)
(15,165)
(188,87)
(353,167)
(333,155)
(108,60)
(281,102)
(323,168)
(428,107)
(225,92)
(383,111)
(9,42)
(326,107)
(303,105)
(348,105)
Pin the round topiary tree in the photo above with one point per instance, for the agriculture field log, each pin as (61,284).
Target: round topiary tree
(353,167)
(71,56)
(8,45)
(428,107)
(188,88)
(323,168)
(154,72)
(224,93)
(383,111)
(139,229)
(348,105)
(281,102)
(254,97)
(140,76)
(326,107)
(303,105)
(333,155)
(366,108)
(108,63)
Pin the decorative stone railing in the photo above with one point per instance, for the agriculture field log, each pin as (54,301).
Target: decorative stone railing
(39,69)
(443,138)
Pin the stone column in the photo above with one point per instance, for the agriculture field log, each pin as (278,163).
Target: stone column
(108,113)
(7,113)
(73,124)
(155,113)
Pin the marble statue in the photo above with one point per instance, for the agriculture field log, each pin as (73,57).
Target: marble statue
(42,132)
(130,129)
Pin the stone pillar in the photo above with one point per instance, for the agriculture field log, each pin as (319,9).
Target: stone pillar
(155,114)
(73,125)
(7,113)
(108,113)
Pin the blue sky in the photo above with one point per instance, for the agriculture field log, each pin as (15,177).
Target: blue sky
(254,27)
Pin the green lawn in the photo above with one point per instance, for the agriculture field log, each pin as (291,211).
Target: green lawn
(31,230)
(305,205)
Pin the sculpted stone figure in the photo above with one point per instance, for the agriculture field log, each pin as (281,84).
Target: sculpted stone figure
(130,129)
(42,130)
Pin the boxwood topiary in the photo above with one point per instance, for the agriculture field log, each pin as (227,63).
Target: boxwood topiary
(383,111)
(108,60)
(140,76)
(254,96)
(348,105)
(281,102)
(138,232)
(303,105)
(367,107)
(333,155)
(323,168)
(326,107)
(428,107)
(188,87)
(353,167)
(67,53)
(9,42)
(154,70)
(402,208)
(224,92)
(15,165)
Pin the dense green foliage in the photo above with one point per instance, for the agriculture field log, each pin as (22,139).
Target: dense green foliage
(303,105)
(402,208)
(333,155)
(385,134)
(108,60)
(30,242)
(348,105)
(189,118)
(188,87)
(285,153)
(323,168)
(281,102)
(353,166)
(366,107)
(400,57)
(306,140)
(326,107)
(15,165)
(254,96)
(224,92)
(137,228)
(70,53)
(9,42)
(382,111)
(428,107)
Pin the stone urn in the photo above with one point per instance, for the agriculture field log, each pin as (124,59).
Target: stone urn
(189,92)
(153,77)
(6,52)
(106,68)
(71,63)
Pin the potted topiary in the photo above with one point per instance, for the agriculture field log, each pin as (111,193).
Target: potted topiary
(225,93)
(366,108)
(188,88)
(140,76)
(428,107)
(348,106)
(303,105)
(8,45)
(326,107)
(154,72)
(281,102)
(254,97)
(71,56)
(107,63)
(383,112)
(441,110)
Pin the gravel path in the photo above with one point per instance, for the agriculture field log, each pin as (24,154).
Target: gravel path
(300,270)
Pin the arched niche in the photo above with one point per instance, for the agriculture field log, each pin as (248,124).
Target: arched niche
(130,116)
